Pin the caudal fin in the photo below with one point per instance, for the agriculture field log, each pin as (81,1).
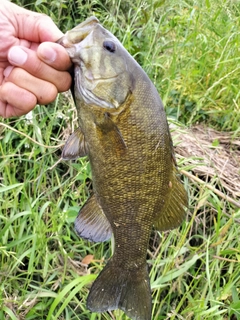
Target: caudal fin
(116,288)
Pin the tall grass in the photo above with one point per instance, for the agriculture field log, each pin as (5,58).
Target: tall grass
(190,49)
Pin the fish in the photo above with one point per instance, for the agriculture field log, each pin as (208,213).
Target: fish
(123,129)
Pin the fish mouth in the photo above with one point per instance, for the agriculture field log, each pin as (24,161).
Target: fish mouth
(70,41)
(79,33)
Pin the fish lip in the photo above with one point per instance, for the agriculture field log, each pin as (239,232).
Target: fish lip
(91,21)
(71,41)
(87,95)
(79,33)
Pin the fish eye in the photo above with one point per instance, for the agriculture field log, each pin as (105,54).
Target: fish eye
(109,46)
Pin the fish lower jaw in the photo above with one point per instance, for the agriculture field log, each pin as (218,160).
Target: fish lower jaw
(86,94)
(91,99)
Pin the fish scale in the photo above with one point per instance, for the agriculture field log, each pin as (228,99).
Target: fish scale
(124,131)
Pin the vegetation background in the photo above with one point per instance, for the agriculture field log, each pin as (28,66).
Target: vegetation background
(191,51)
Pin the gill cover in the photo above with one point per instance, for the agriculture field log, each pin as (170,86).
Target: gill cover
(102,75)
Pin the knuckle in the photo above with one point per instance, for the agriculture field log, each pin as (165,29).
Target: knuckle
(15,75)
(37,68)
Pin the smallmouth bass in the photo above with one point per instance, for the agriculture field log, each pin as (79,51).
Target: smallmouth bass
(124,131)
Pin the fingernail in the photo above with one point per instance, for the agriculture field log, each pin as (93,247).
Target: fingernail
(47,53)
(7,71)
(17,56)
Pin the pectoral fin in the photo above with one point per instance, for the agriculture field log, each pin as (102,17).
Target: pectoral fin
(75,146)
(174,209)
(111,134)
(91,223)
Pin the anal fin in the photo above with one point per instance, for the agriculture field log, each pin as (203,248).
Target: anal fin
(91,222)
(75,147)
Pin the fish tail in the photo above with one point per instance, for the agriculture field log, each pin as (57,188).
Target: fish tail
(116,288)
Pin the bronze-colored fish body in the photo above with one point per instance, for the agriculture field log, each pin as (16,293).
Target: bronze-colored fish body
(124,131)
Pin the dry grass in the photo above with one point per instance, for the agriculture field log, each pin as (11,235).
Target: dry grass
(213,155)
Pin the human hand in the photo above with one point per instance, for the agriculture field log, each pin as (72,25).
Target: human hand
(31,70)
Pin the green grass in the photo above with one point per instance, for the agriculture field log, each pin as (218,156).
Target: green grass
(190,49)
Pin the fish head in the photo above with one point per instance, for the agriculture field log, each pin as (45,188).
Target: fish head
(102,71)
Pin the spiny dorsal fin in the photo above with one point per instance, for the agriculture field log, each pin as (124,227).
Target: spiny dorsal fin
(91,223)
(75,147)
(174,209)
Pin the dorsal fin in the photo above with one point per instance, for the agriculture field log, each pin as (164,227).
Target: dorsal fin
(174,209)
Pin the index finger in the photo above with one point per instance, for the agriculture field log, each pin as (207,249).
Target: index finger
(54,55)
(53,70)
